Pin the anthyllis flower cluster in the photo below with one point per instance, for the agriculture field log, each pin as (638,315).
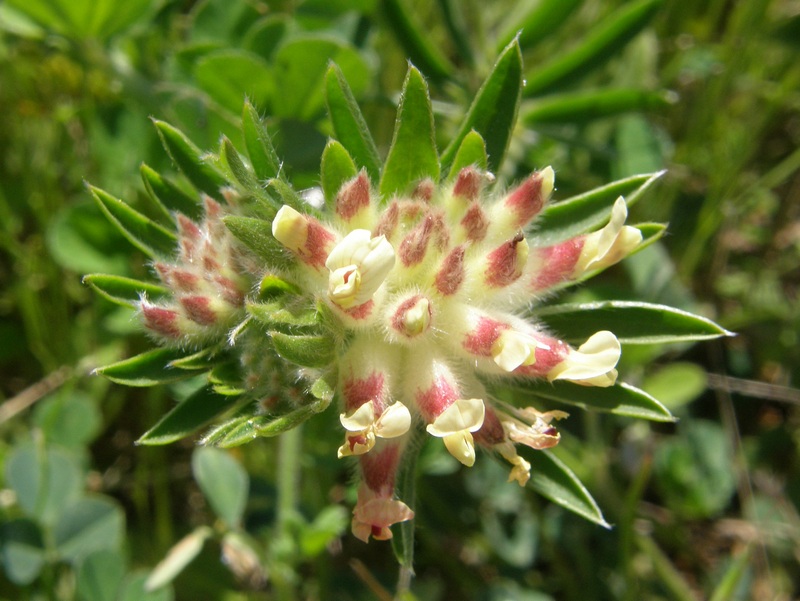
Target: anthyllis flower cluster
(429,290)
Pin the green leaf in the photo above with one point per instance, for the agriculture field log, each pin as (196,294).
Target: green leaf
(266,34)
(544,19)
(134,589)
(348,123)
(273,287)
(676,384)
(245,428)
(234,163)
(263,157)
(472,151)
(632,322)
(22,551)
(300,67)
(588,105)
(552,479)
(231,74)
(224,483)
(142,232)
(403,545)
(731,580)
(598,46)
(44,480)
(187,417)
(337,168)
(93,523)
(412,155)
(324,388)
(123,291)
(306,351)
(177,558)
(494,110)
(580,214)
(168,195)
(100,576)
(256,234)
(147,369)
(190,159)
(416,41)
(99,19)
(288,320)
(69,418)
(620,399)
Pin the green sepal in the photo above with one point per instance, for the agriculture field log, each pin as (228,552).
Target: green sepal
(202,360)
(273,286)
(168,195)
(552,479)
(620,399)
(494,110)
(283,192)
(472,151)
(306,351)
(234,163)
(412,155)
(632,322)
(256,234)
(537,24)
(244,428)
(226,380)
(275,316)
(324,387)
(190,159)
(416,41)
(145,234)
(583,106)
(585,212)
(187,417)
(123,291)
(597,47)
(336,169)
(348,123)
(147,369)
(263,157)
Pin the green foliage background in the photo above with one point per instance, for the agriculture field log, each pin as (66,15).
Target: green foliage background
(707,508)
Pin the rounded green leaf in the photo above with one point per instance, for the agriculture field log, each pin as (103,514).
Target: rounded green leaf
(336,169)
(100,576)
(92,523)
(230,75)
(69,418)
(413,154)
(224,483)
(22,551)
(133,589)
(631,321)
(472,151)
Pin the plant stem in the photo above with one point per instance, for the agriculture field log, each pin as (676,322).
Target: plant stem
(288,480)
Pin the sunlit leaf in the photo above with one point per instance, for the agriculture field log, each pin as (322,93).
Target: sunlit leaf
(190,159)
(413,155)
(230,75)
(147,369)
(472,151)
(337,168)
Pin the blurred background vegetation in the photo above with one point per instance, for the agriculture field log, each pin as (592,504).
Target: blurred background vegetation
(704,508)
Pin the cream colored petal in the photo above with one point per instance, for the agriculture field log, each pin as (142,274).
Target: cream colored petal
(513,349)
(360,419)
(290,228)
(592,364)
(461,446)
(462,415)
(611,244)
(357,444)
(394,421)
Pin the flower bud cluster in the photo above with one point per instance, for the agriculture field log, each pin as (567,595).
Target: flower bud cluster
(206,283)
(429,289)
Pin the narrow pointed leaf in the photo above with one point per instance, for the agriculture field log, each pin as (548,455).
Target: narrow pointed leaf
(263,157)
(620,399)
(456,23)
(472,151)
(349,124)
(147,369)
(413,155)
(631,321)
(202,360)
(416,41)
(580,214)
(256,234)
(552,479)
(187,417)
(231,159)
(145,234)
(123,291)
(283,192)
(598,46)
(336,169)
(494,110)
(545,18)
(307,351)
(168,195)
(273,286)
(190,160)
(730,582)
(583,106)
(275,316)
